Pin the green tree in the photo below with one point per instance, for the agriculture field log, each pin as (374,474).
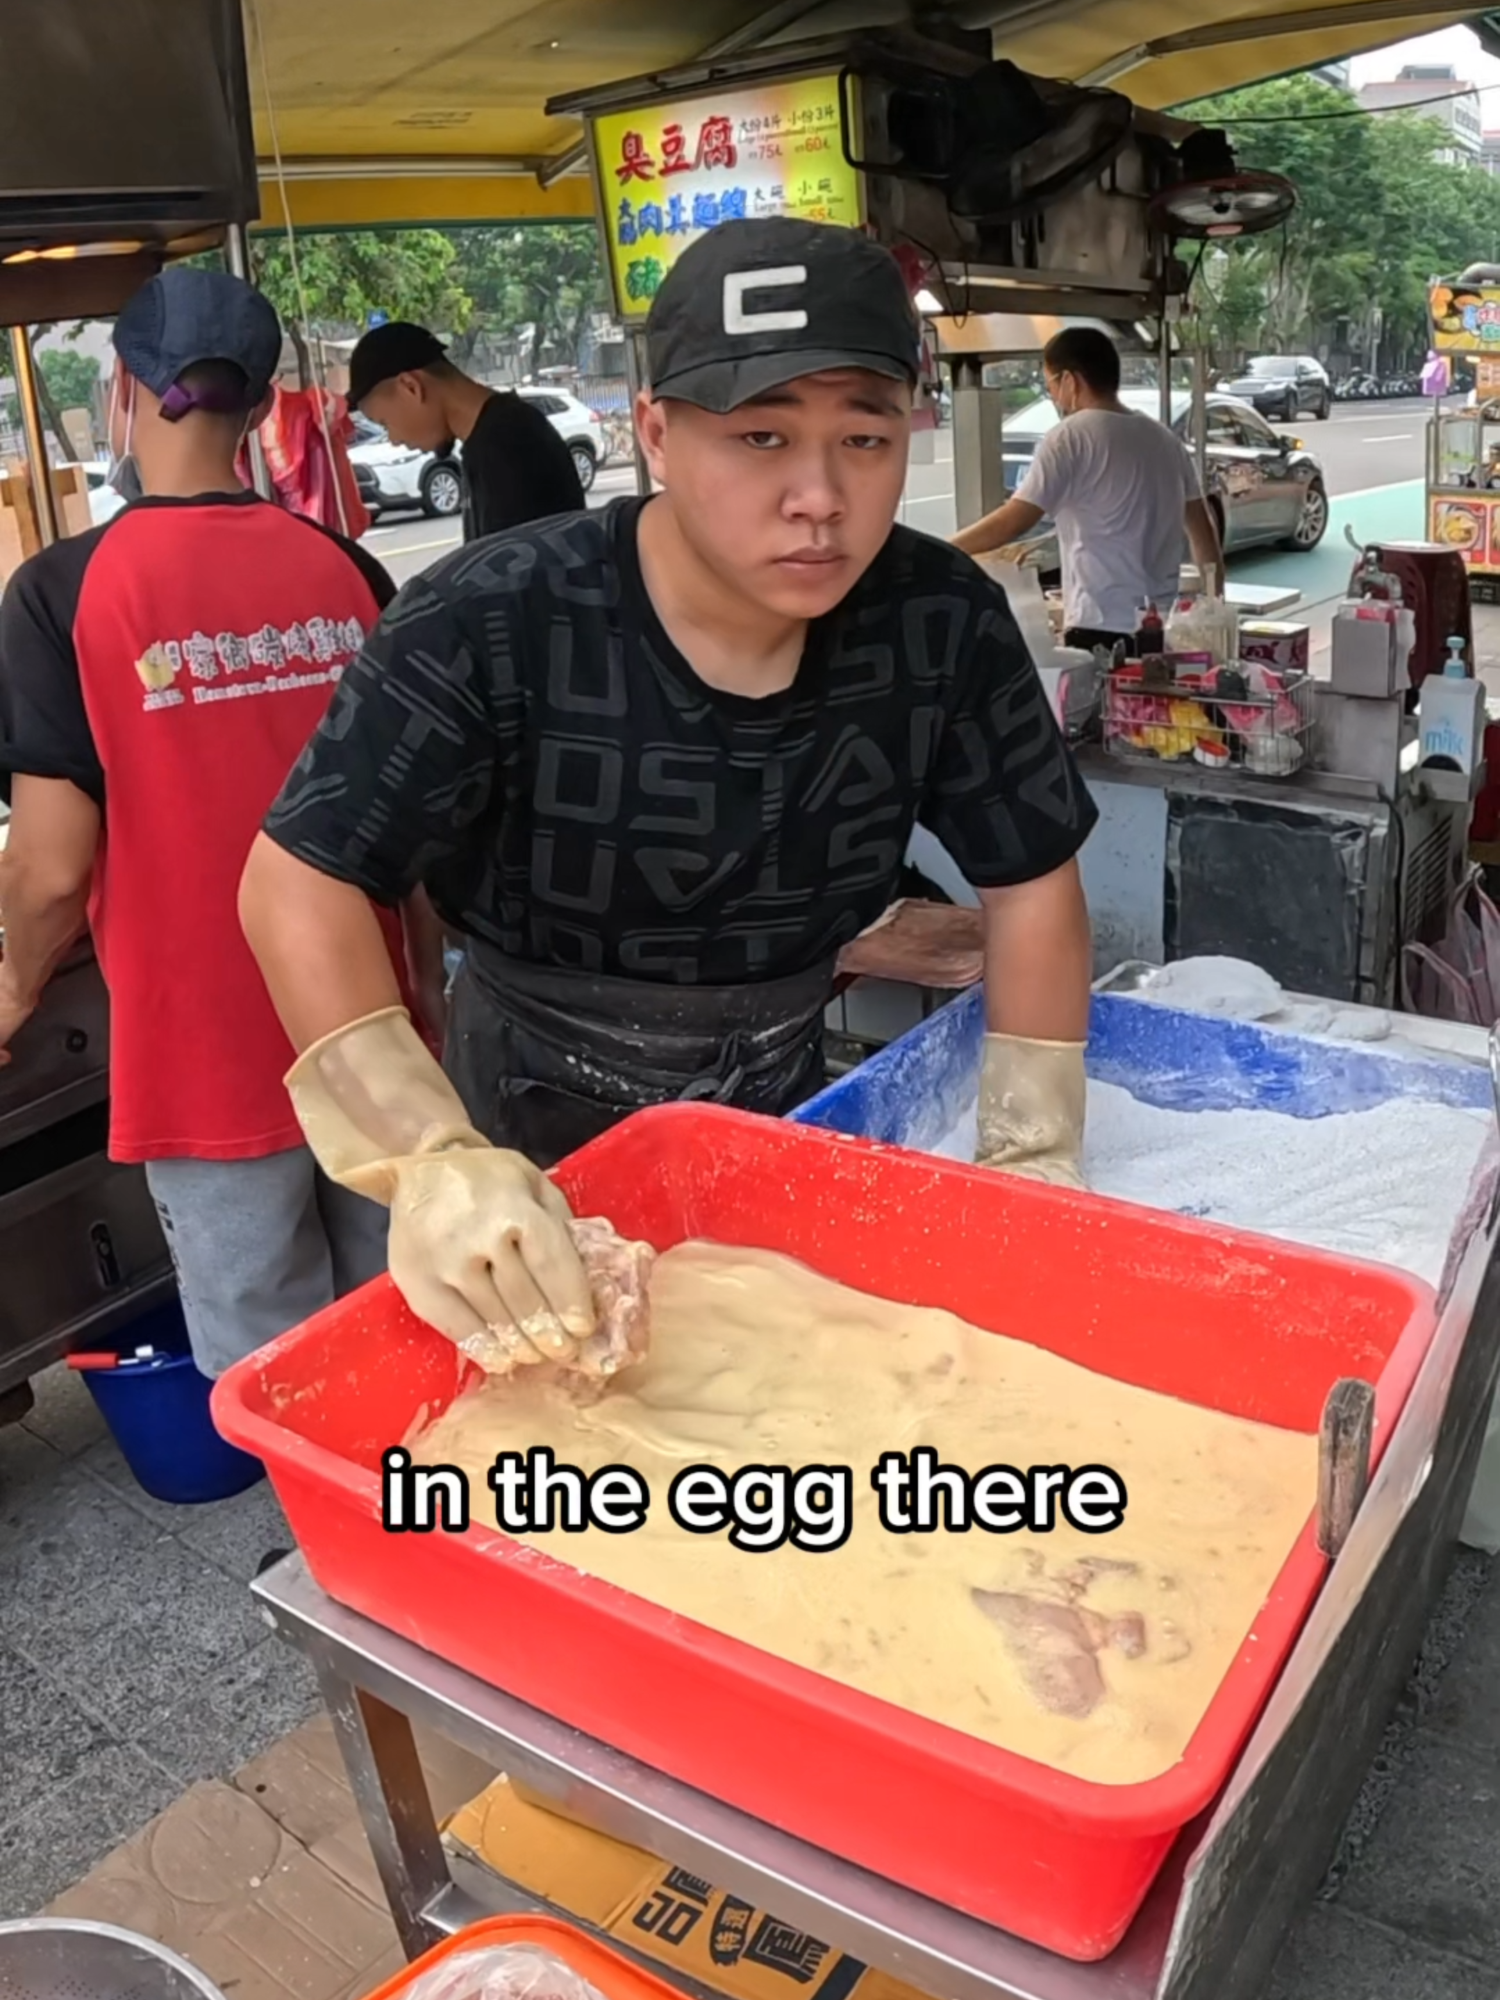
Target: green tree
(548,276)
(347,275)
(1230,301)
(1377,216)
(66,381)
(72,377)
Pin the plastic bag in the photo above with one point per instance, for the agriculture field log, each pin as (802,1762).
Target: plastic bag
(1460,979)
(306,480)
(501,1972)
(1206,624)
(1436,990)
(1028,607)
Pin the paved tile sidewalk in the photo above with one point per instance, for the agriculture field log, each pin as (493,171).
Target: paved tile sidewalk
(136,1676)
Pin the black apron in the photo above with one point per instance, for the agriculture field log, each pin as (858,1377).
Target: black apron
(546,1059)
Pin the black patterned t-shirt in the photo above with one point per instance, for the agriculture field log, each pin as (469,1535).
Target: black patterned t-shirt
(521,736)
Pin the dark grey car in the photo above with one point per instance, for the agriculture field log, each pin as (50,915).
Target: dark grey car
(1265,490)
(1283,387)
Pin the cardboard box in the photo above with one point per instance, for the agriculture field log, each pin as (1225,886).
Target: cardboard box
(1274,644)
(666,1913)
(19,534)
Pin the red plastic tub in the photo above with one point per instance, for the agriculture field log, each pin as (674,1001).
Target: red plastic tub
(1217,1317)
(608,1972)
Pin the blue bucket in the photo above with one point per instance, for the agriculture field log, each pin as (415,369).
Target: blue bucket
(157,1411)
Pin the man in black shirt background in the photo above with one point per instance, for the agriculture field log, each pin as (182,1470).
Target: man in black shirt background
(516,468)
(660,763)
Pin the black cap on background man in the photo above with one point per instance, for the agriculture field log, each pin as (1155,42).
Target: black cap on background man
(397,348)
(515,466)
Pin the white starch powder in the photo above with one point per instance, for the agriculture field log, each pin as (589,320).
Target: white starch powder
(1386,1185)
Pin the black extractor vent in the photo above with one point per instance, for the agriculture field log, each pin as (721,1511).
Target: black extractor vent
(124,120)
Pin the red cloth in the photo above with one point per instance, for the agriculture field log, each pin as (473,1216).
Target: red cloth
(306,480)
(210,638)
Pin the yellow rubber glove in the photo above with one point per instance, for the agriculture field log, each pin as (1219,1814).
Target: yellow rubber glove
(1031,1109)
(481,1245)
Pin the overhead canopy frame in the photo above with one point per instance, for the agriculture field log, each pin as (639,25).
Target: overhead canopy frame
(388,112)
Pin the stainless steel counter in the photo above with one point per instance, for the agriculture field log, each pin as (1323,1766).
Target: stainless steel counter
(80,1245)
(1216,1916)
(1318,879)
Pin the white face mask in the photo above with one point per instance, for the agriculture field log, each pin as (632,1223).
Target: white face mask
(124,473)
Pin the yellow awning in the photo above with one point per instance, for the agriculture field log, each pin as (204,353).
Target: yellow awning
(1163,54)
(391,111)
(388,111)
(456,193)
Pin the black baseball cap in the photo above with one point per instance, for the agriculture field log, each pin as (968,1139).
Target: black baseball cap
(397,348)
(182,317)
(753,305)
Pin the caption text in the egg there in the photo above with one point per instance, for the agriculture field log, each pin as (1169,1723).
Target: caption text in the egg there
(758,1507)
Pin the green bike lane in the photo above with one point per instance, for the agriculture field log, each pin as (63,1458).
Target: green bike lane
(1394,513)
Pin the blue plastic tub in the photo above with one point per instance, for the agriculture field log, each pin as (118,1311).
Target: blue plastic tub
(914,1091)
(158,1413)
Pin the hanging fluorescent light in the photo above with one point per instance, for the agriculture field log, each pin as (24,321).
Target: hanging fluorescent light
(65,252)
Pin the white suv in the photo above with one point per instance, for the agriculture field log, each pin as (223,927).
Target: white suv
(576,425)
(392,476)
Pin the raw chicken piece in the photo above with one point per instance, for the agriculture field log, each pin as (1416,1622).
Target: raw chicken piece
(1054,1647)
(1127,1634)
(620,1274)
(1056,1643)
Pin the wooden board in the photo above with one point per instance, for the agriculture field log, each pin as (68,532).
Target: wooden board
(919,944)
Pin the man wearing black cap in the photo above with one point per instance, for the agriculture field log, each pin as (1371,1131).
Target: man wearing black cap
(516,469)
(159,676)
(661,763)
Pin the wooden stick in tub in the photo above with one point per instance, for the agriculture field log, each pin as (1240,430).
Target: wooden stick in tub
(1343,1460)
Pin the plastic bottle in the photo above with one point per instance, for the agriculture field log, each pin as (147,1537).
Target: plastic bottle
(1184,626)
(1149,637)
(1451,715)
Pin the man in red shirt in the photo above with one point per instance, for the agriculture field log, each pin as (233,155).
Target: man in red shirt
(159,677)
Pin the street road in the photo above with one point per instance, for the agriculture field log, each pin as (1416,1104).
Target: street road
(1362,446)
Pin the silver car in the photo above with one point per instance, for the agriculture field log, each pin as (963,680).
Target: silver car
(1264,489)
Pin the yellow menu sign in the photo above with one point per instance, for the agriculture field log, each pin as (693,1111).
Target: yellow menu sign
(669,173)
(1465,318)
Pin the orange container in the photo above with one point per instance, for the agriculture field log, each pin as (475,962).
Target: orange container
(616,1977)
(1213,1316)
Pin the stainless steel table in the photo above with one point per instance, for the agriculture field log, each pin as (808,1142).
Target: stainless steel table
(377,1685)
(1215,1921)
(1261,600)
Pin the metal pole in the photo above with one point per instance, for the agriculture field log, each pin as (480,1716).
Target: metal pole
(1200,412)
(635,381)
(1165,364)
(237,256)
(24,363)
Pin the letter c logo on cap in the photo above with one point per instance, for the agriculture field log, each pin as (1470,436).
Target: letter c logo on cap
(738,283)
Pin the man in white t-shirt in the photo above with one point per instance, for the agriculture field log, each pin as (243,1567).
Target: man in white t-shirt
(1122,490)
